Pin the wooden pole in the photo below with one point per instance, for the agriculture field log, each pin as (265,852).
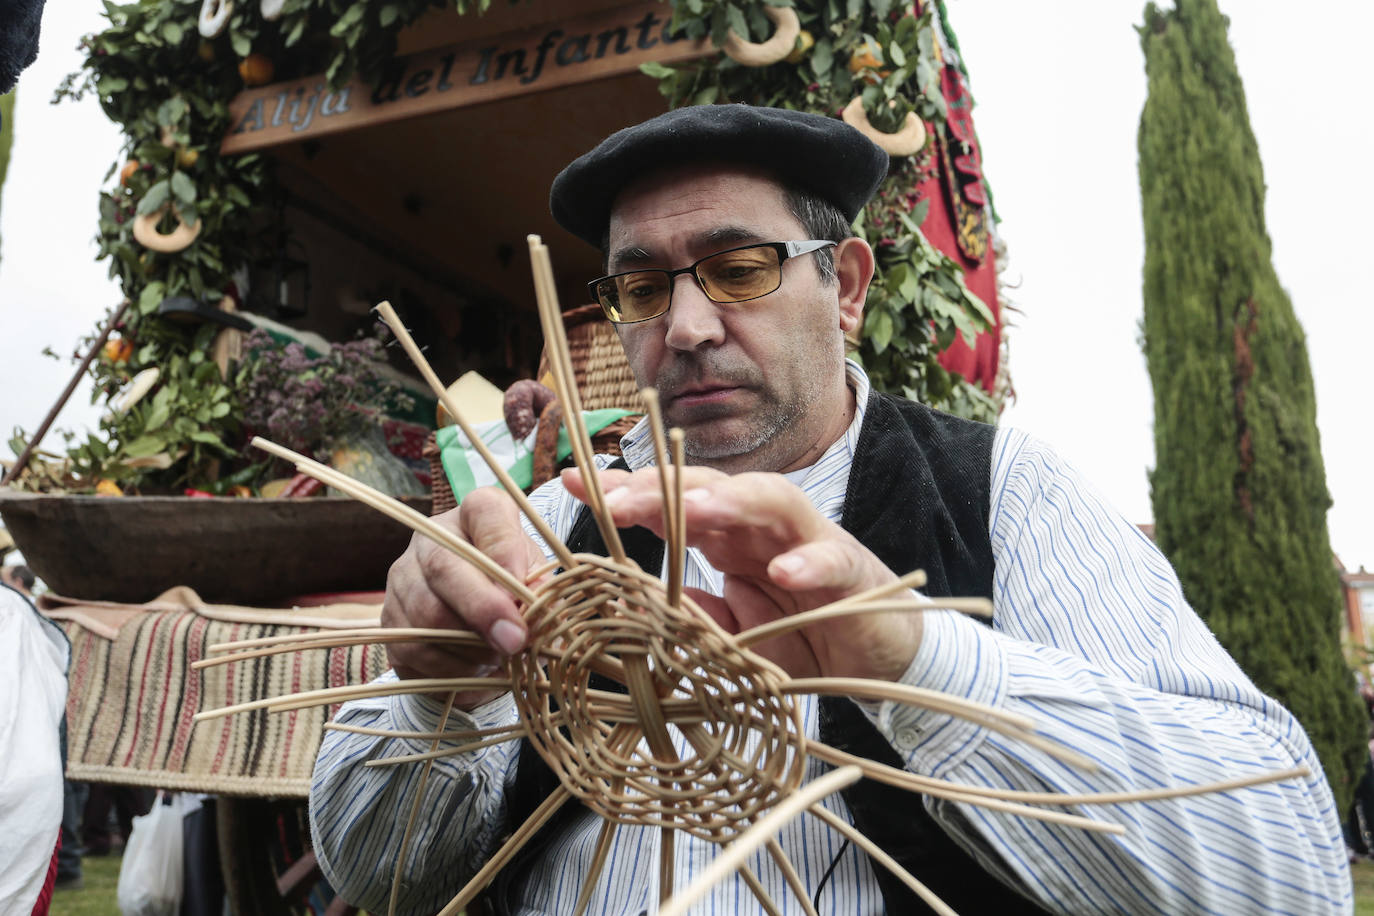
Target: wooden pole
(22,461)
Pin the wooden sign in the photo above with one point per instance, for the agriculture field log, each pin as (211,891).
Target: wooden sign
(579,50)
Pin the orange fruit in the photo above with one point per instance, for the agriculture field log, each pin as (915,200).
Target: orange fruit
(867,57)
(128,172)
(118,350)
(805,42)
(107,487)
(256,70)
(187,157)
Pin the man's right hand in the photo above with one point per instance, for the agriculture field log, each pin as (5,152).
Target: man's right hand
(431,587)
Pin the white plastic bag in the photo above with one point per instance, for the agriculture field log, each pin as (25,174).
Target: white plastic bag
(150,877)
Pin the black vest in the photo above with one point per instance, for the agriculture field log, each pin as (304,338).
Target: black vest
(918,498)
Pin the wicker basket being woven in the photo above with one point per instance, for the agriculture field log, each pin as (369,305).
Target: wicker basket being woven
(604,379)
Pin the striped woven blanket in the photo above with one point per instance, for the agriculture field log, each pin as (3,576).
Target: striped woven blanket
(132,698)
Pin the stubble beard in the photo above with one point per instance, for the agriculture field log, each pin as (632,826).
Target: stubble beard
(711,440)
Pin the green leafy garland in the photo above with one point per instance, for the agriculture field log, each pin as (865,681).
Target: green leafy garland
(918,301)
(169,90)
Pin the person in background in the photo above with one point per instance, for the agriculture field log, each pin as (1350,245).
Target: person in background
(69,849)
(19,577)
(34,654)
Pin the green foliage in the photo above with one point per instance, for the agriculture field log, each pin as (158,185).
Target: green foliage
(918,301)
(189,420)
(1239,489)
(169,90)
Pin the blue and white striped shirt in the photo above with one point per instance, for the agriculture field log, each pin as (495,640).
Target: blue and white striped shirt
(1092,638)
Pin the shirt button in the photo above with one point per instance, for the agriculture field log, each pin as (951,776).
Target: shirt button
(908,737)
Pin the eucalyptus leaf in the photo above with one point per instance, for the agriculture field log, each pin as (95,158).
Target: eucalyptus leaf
(351,16)
(296,32)
(910,290)
(822,61)
(656,70)
(172,32)
(241,43)
(948,285)
(184,189)
(148,301)
(925,41)
(906,28)
(735,18)
(879,330)
(706,96)
(980,308)
(144,446)
(237,196)
(920,211)
(158,414)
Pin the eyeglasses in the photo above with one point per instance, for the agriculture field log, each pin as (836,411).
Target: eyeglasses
(735,275)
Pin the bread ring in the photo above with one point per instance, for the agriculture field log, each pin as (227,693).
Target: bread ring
(761,54)
(905,142)
(214,16)
(146,234)
(271,9)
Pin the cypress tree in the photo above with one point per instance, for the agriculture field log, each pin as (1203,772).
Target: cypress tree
(6,133)
(1239,489)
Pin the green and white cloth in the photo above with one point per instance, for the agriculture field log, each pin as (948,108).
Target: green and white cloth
(466,471)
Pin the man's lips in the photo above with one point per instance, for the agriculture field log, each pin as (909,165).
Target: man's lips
(702,394)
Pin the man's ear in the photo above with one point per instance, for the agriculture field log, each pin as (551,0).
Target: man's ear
(854,266)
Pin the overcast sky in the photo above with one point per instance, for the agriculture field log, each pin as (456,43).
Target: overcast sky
(1059,91)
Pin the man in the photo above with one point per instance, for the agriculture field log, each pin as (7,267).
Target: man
(715,224)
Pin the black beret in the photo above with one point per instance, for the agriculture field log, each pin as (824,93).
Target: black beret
(807,151)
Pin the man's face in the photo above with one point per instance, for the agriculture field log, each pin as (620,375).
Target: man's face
(756,385)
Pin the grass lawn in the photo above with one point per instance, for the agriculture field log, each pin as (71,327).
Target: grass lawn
(97,898)
(1364,888)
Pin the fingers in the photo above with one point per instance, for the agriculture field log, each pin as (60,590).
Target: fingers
(431,587)
(712,501)
(779,556)
(837,565)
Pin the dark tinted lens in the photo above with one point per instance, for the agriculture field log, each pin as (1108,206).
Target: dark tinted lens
(732,276)
(634,296)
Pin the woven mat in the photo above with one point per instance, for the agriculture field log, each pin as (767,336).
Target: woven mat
(131,700)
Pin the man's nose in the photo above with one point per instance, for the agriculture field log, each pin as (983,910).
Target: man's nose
(693,320)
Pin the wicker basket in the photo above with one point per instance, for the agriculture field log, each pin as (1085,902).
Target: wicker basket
(604,379)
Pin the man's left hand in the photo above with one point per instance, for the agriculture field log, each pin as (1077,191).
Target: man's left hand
(779,557)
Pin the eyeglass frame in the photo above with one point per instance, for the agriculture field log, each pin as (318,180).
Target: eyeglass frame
(785,251)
